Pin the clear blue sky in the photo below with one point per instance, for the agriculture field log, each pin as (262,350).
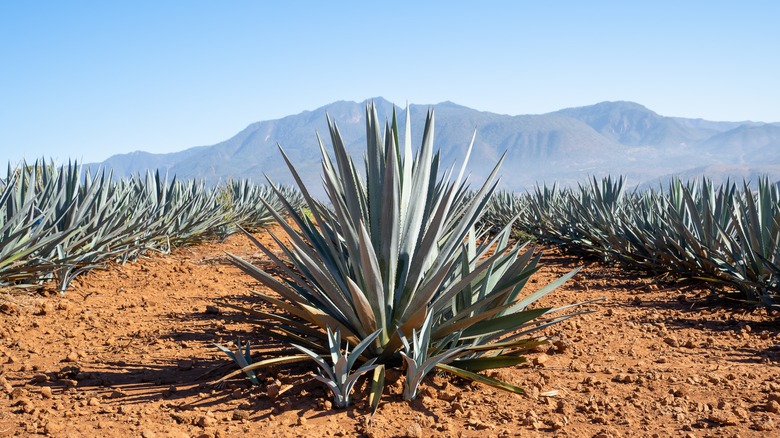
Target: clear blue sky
(88,79)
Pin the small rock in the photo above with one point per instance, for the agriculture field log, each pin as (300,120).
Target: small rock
(457,407)
(212,310)
(46,392)
(447,395)
(168,392)
(148,434)
(429,392)
(672,341)
(69,383)
(773,407)
(563,345)
(39,378)
(763,425)
(68,372)
(722,417)
(240,414)
(741,413)
(46,308)
(272,389)
(71,357)
(540,359)
(4,385)
(185,365)
(93,401)
(557,425)
(414,431)
(301,421)
(53,429)
(207,421)
(623,378)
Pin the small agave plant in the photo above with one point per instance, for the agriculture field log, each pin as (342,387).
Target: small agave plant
(418,363)
(396,251)
(338,375)
(243,360)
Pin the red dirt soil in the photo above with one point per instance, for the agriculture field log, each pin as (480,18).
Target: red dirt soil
(128,351)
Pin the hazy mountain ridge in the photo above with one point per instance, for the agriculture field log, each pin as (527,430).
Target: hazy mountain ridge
(566,145)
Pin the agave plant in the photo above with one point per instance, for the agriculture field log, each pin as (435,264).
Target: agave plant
(339,377)
(243,199)
(23,233)
(418,363)
(396,245)
(504,207)
(243,360)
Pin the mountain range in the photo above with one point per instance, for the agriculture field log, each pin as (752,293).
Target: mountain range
(565,146)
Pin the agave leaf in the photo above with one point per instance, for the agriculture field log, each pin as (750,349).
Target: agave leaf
(329,371)
(291,308)
(359,348)
(480,378)
(522,304)
(377,387)
(362,306)
(487,363)
(502,323)
(263,364)
(273,317)
(518,346)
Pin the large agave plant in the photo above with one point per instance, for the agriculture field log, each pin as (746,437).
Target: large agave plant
(397,244)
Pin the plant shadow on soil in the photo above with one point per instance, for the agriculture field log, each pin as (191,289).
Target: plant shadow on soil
(177,381)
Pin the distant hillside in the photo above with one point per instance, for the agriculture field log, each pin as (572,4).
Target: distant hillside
(747,144)
(631,124)
(565,146)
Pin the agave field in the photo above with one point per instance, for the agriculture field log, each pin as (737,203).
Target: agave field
(407,294)
(57,222)
(728,235)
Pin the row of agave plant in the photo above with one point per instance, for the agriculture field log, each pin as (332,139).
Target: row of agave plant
(394,272)
(727,234)
(57,222)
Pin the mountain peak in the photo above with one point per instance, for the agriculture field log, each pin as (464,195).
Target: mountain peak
(630,123)
(619,137)
(608,107)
